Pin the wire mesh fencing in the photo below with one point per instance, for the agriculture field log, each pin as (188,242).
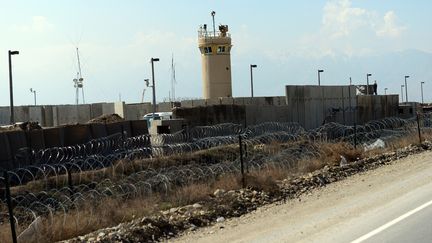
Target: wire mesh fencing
(65,178)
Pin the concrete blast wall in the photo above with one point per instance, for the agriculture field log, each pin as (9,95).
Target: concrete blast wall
(12,141)
(374,107)
(312,106)
(49,116)
(211,115)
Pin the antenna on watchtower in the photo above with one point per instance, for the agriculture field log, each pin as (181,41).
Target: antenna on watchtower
(213,13)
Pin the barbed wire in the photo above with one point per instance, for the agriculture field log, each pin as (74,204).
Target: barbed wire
(114,180)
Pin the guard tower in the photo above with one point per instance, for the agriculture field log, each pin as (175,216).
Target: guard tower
(215,47)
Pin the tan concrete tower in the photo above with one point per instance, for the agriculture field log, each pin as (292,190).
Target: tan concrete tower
(215,47)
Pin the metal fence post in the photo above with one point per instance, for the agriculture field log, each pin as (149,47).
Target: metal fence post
(418,127)
(246,156)
(241,161)
(70,184)
(355,135)
(9,204)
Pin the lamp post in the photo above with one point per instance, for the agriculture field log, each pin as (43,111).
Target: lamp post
(153,84)
(147,85)
(11,53)
(421,88)
(406,88)
(385,91)
(34,95)
(319,76)
(367,82)
(402,86)
(252,66)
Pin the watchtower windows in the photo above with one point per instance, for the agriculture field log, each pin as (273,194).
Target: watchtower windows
(221,49)
(207,50)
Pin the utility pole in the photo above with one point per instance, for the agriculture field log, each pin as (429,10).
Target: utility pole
(251,76)
(153,84)
(367,82)
(34,95)
(421,88)
(12,118)
(319,78)
(402,86)
(406,88)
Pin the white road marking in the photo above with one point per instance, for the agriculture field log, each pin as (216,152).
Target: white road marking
(394,221)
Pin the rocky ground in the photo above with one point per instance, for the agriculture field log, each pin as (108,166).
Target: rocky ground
(226,204)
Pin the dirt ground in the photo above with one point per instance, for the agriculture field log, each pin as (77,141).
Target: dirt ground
(323,213)
(106,118)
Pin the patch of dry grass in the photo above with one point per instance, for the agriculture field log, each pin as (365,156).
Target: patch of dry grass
(112,211)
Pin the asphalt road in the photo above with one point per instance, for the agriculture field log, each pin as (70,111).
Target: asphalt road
(390,204)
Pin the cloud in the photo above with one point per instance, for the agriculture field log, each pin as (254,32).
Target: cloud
(341,20)
(38,24)
(350,31)
(390,28)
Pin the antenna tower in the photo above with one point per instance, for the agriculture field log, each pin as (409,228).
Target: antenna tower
(173,79)
(78,81)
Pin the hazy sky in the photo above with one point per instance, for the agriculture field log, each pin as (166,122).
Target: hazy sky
(288,40)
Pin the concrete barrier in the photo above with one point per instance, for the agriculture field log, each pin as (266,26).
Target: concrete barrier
(54,137)
(36,139)
(77,134)
(17,140)
(113,128)
(211,115)
(126,128)
(98,130)
(5,153)
(139,127)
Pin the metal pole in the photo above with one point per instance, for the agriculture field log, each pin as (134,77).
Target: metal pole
(421,87)
(251,75)
(34,94)
(355,135)
(70,184)
(355,123)
(406,89)
(402,86)
(12,119)
(349,99)
(319,80)
(252,66)
(367,84)
(241,161)
(213,13)
(418,127)
(9,204)
(153,88)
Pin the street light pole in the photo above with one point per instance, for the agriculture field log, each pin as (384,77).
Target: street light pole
(319,78)
(421,87)
(402,86)
(34,95)
(406,88)
(11,53)
(367,82)
(251,75)
(153,84)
